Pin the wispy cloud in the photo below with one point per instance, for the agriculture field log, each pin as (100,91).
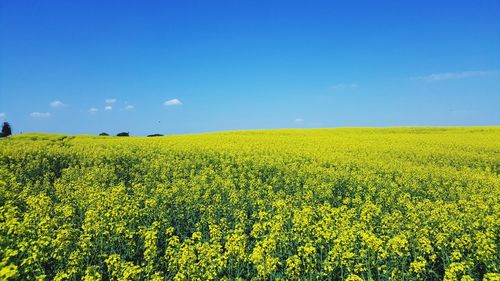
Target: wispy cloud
(108,107)
(299,120)
(129,107)
(93,110)
(40,114)
(57,104)
(2,115)
(110,101)
(344,86)
(172,102)
(455,75)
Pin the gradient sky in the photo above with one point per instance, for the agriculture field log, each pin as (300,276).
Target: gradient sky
(195,66)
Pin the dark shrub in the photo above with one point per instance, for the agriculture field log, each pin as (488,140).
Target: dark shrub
(123,134)
(6,130)
(104,134)
(155,135)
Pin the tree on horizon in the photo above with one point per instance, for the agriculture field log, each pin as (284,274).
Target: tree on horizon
(6,130)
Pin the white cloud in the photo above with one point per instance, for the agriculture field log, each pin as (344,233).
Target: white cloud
(40,114)
(172,102)
(108,107)
(455,75)
(342,86)
(110,101)
(2,115)
(93,110)
(299,120)
(129,107)
(57,104)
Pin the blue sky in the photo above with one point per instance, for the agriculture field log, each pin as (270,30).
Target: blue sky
(195,66)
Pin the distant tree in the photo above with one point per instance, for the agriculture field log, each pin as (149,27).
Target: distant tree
(123,134)
(6,130)
(103,134)
(155,135)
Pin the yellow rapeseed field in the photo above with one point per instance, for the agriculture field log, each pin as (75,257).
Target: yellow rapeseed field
(319,204)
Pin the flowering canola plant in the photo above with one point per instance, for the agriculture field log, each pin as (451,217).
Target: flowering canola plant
(322,204)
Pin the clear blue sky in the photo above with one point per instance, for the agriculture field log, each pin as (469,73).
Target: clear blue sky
(196,66)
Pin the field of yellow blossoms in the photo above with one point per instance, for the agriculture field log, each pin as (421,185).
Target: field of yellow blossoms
(319,204)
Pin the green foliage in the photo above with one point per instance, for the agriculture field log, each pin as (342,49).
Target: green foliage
(329,204)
